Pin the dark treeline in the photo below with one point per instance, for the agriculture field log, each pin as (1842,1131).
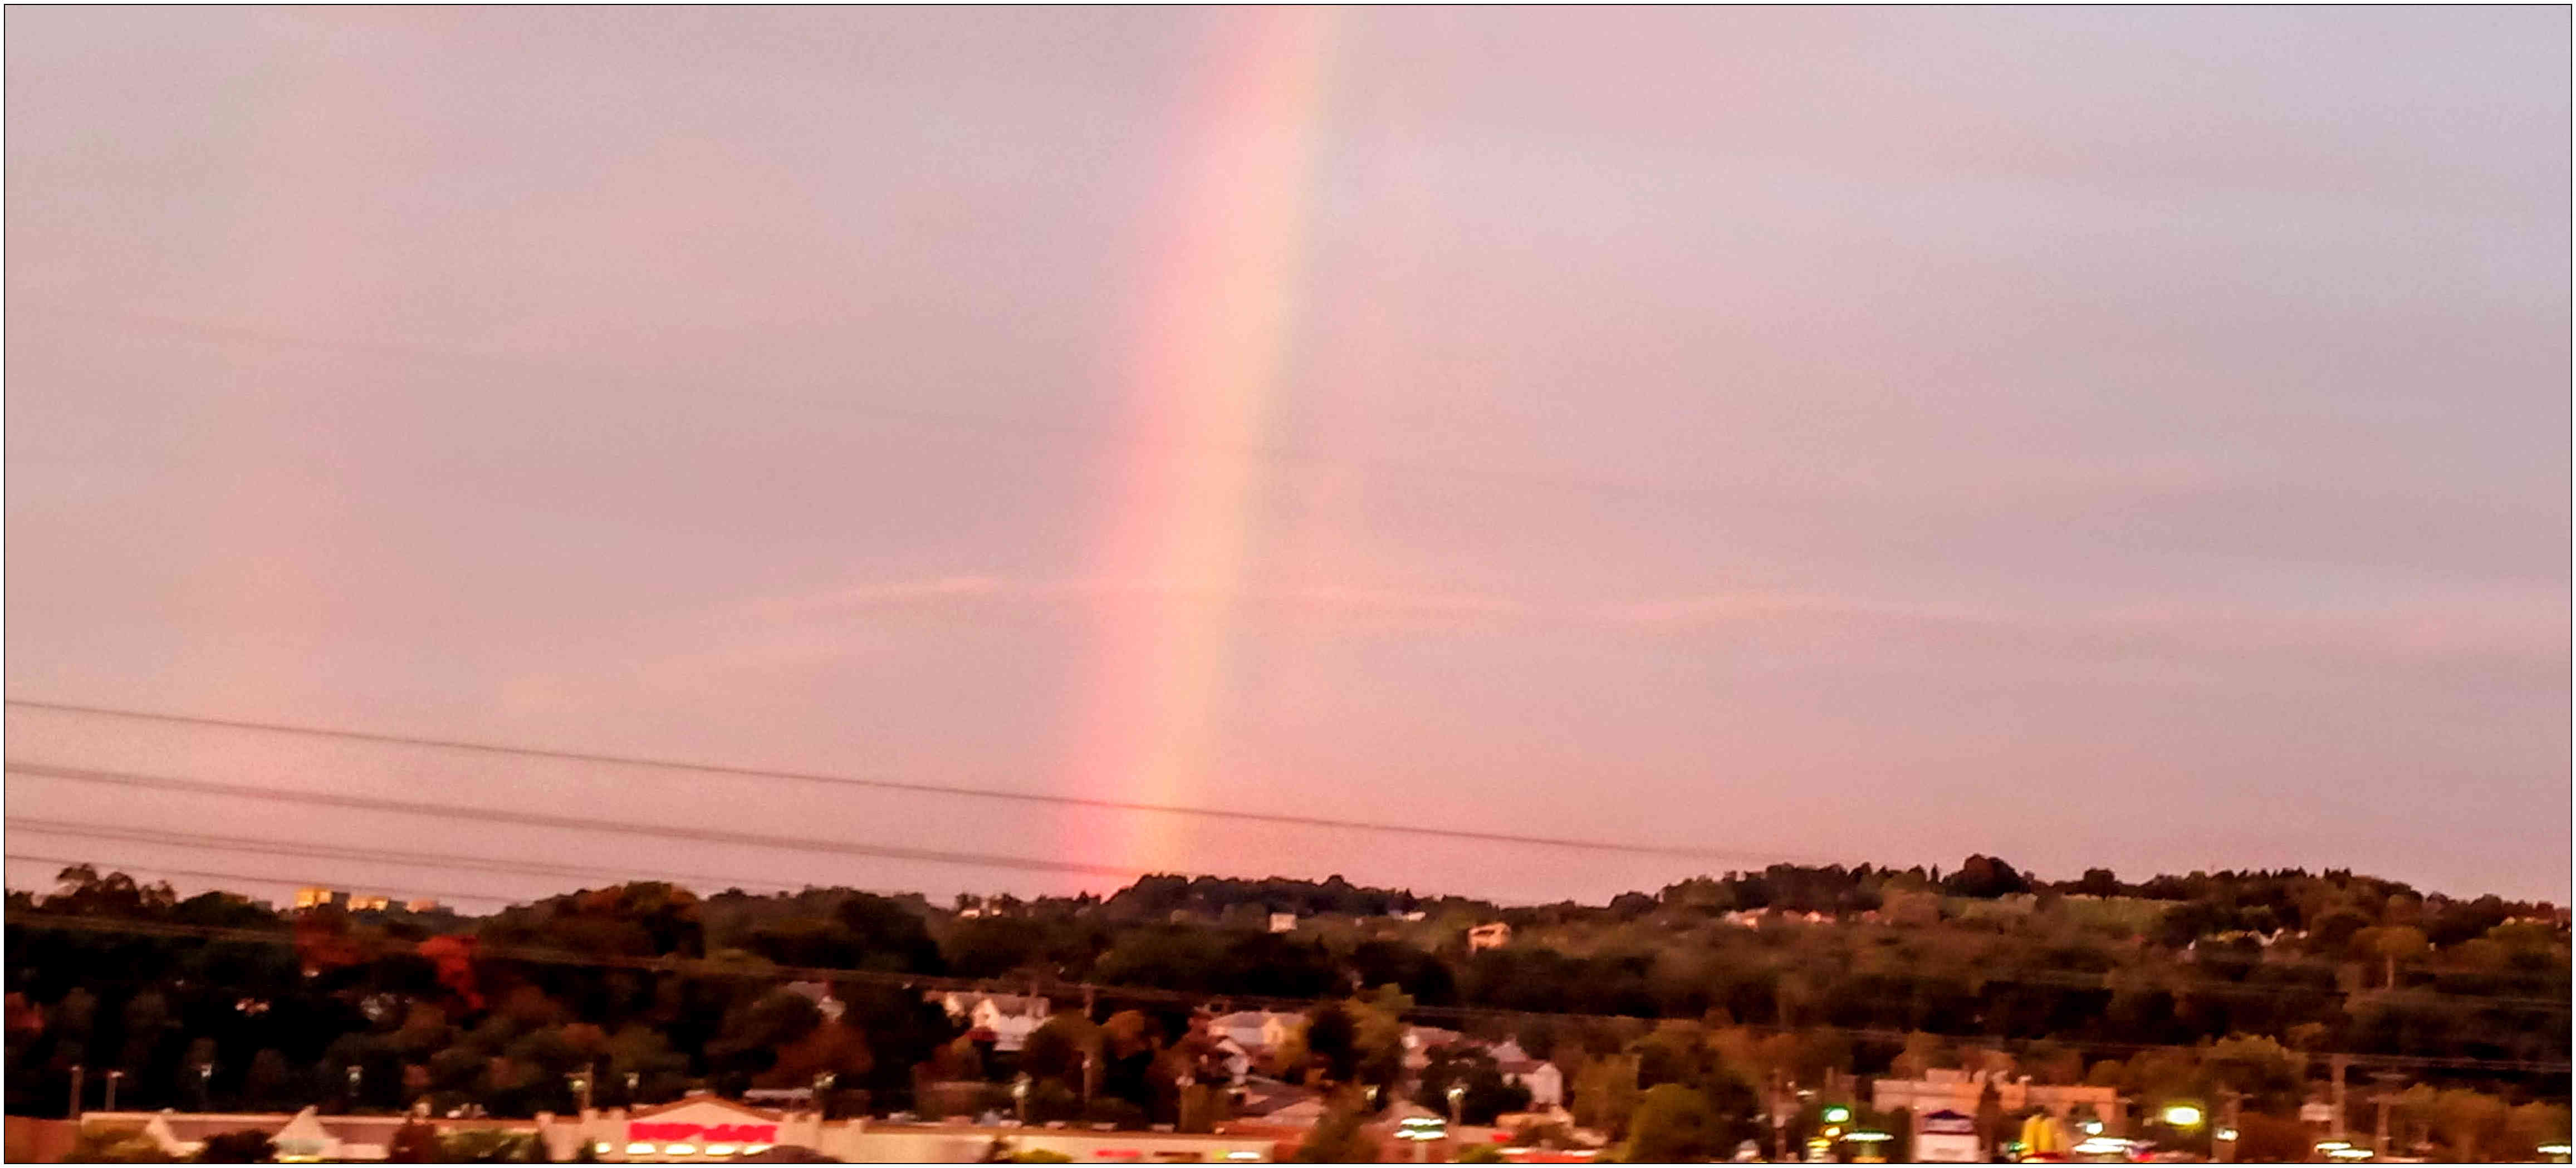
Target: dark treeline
(376,1009)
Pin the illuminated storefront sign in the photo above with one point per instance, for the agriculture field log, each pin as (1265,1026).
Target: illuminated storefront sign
(643,1132)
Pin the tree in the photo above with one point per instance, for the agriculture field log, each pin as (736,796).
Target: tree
(1061,1050)
(240,1147)
(1605,1093)
(2469,1123)
(1341,1136)
(1673,1124)
(2392,944)
(490,1146)
(1985,878)
(1484,1095)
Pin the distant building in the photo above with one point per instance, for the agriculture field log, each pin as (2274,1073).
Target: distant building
(318,897)
(422,906)
(1256,1031)
(1010,1018)
(1960,1090)
(820,994)
(1489,936)
(1282,922)
(1545,1082)
(1418,1041)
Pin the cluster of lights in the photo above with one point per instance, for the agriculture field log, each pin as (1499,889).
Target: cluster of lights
(2343,1150)
(2556,1149)
(2100,1145)
(640,1148)
(1422,1128)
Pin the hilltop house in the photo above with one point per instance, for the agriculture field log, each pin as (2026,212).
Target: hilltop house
(1489,936)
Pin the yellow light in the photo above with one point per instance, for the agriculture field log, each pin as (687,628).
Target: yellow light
(679,1149)
(601,1147)
(2183,1115)
(754,1149)
(639,1149)
(720,1149)
(2556,1149)
(2227,1133)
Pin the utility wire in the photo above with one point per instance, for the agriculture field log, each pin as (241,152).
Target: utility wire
(884,784)
(204,841)
(715,968)
(563,822)
(200,874)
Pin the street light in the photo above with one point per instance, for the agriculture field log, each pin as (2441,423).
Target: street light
(2183,1115)
(1457,1102)
(1838,1114)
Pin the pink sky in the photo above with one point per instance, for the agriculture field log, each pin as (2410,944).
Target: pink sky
(2127,437)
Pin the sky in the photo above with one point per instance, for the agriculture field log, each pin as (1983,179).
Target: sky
(2122,437)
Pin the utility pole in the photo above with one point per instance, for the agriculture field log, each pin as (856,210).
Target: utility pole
(76,1090)
(2228,1133)
(2386,1097)
(112,1077)
(2340,1063)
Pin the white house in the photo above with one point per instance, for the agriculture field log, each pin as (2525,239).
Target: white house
(1546,1083)
(1255,1031)
(1283,922)
(1489,936)
(1009,1017)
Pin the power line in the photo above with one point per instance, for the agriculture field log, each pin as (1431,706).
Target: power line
(286,849)
(672,963)
(200,874)
(563,822)
(884,784)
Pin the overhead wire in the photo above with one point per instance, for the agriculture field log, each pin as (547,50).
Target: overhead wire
(521,818)
(299,850)
(1283,819)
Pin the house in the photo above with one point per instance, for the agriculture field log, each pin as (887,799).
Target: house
(1282,922)
(820,994)
(1257,1031)
(1418,1041)
(1276,1104)
(1489,936)
(1009,1018)
(1546,1084)
(1957,1090)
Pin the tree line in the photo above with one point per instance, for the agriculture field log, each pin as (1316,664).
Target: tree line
(1712,984)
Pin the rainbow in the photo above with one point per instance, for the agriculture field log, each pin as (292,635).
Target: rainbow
(1213,336)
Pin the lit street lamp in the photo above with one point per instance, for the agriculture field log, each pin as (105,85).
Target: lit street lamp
(1457,1101)
(112,1077)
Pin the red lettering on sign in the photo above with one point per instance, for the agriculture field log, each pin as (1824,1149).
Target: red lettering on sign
(735,1133)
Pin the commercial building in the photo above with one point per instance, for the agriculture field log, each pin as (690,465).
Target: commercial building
(698,1130)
